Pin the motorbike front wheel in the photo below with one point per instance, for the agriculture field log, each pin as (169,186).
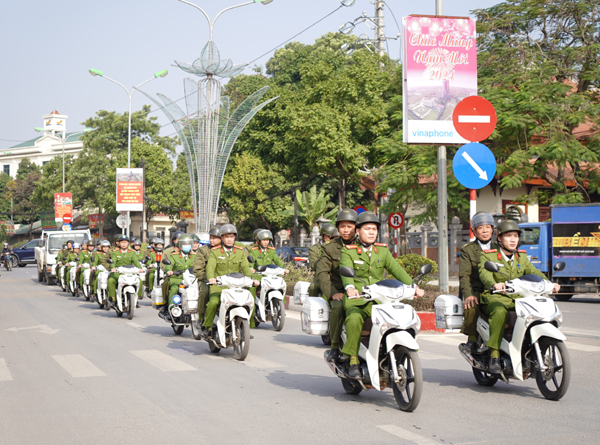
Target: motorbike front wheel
(213,348)
(484,378)
(326,339)
(351,387)
(278,316)
(73,289)
(241,346)
(407,391)
(178,330)
(196,330)
(130,305)
(554,381)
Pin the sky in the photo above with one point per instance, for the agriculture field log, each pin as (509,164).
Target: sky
(47,48)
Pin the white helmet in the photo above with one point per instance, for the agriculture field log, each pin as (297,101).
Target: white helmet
(5,244)
(76,246)
(203,237)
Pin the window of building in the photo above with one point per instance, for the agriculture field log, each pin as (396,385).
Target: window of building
(44,163)
(7,169)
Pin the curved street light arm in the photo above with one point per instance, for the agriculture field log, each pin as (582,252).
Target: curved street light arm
(201,10)
(226,9)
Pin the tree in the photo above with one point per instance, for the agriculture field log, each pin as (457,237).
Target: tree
(182,193)
(250,194)
(311,206)
(22,190)
(51,180)
(4,196)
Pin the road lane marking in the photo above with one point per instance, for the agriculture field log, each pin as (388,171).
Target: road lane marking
(162,361)
(78,366)
(581,347)
(452,341)
(5,374)
(135,325)
(308,350)
(407,435)
(260,363)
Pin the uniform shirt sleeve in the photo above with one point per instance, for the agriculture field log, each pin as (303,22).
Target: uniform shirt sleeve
(465,268)
(211,265)
(323,269)
(396,269)
(276,260)
(313,256)
(199,265)
(346,260)
(530,268)
(135,260)
(246,266)
(487,278)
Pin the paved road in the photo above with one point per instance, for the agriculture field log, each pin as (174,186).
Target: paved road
(71,374)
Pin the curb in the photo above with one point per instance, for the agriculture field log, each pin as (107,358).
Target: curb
(427,318)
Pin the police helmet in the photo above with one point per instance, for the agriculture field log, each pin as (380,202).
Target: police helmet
(326,229)
(122,238)
(159,241)
(175,235)
(137,242)
(482,219)
(264,234)
(104,243)
(256,232)
(335,233)
(203,238)
(70,241)
(215,231)
(346,215)
(508,225)
(185,243)
(227,229)
(368,217)
(76,246)
(195,238)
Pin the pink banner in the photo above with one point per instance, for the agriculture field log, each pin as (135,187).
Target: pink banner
(440,69)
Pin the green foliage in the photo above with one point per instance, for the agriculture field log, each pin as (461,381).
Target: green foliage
(182,194)
(51,180)
(311,206)
(22,191)
(249,189)
(3,233)
(412,262)
(297,274)
(4,196)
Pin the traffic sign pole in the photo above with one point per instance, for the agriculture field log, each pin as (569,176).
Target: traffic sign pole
(473,196)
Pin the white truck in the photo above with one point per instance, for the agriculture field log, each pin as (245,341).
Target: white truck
(50,245)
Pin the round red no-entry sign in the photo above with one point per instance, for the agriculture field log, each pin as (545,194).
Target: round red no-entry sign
(67,218)
(474,118)
(396,220)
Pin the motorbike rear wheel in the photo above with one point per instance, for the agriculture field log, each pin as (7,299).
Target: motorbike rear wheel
(178,330)
(106,302)
(351,387)
(130,305)
(408,391)
(73,290)
(87,294)
(558,364)
(196,330)
(484,378)
(213,348)
(241,346)
(278,316)
(326,339)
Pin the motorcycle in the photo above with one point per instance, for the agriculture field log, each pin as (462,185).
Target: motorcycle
(7,260)
(269,304)
(314,317)
(87,286)
(127,289)
(73,285)
(102,290)
(231,326)
(532,345)
(61,280)
(388,352)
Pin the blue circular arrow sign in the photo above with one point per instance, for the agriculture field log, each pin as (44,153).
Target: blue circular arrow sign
(474,165)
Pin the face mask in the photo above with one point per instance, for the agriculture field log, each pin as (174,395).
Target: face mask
(186,249)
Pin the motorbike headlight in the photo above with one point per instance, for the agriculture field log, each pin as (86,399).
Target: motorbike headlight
(557,316)
(415,323)
(385,320)
(177,299)
(530,314)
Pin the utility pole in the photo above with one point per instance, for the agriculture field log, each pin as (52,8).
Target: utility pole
(379,27)
(442,203)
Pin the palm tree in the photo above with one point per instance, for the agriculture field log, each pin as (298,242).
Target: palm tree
(311,206)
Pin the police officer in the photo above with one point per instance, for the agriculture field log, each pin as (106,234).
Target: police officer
(122,257)
(369,259)
(314,253)
(84,257)
(179,262)
(196,243)
(214,240)
(329,280)
(471,286)
(103,251)
(223,260)
(158,248)
(513,263)
(137,249)
(173,247)
(335,234)
(73,256)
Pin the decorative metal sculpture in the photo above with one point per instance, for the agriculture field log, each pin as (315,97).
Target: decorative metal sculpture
(207,128)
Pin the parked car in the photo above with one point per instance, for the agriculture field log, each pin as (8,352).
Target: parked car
(299,255)
(26,253)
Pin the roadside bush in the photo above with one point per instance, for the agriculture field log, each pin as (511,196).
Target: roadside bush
(413,262)
(296,274)
(426,303)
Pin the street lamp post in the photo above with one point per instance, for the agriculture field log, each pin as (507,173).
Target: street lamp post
(162,73)
(63,141)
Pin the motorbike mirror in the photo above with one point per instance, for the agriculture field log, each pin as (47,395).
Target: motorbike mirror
(145,260)
(347,272)
(490,266)
(261,268)
(559,266)
(109,261)
(425,269)
(166,262)
(250,259)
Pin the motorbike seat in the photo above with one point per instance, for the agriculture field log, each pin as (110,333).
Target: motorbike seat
(366,332)
(511,320)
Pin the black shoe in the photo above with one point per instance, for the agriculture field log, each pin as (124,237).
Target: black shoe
(333,355)
(354,372)
(495,367)
(469,347)
(206,332)
(137,305)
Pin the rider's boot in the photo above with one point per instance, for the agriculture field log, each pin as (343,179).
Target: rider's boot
(495,367)
(354,371)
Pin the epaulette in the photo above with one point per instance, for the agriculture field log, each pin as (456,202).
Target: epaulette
(272,248)
(522,251)
(490,250)
(215,248)
(351,246)
(381,244)
(255,248)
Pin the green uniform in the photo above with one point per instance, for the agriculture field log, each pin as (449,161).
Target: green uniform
(200,262)
(314,253)
(151,272)
(470,283)
(96,261)
(120,258)
(263,257)
(62,254)
(330,283)
(496,306)
(72,256)
(182,262)
(369,266)
(84,257)
(222,262)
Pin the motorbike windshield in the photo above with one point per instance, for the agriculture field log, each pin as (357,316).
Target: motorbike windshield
(390,283)
(532,278)
(236,275)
